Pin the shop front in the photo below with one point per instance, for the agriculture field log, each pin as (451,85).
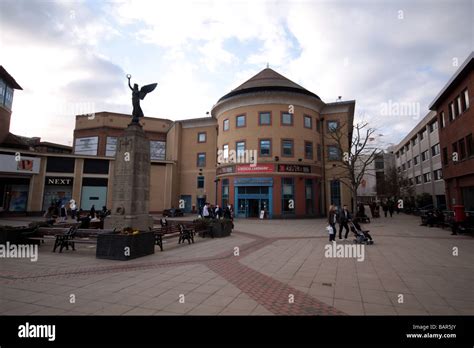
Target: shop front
(252,196)
(57,191)
(15,174)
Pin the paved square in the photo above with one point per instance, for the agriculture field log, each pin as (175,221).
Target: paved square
(280,269)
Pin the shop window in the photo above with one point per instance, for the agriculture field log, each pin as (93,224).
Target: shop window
(335,189)
(287,196)
(95,166)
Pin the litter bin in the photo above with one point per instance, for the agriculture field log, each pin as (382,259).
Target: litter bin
(459,214)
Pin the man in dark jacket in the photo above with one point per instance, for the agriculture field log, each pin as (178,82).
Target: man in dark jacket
(344,217)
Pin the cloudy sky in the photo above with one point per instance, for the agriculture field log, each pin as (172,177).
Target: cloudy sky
(72,56)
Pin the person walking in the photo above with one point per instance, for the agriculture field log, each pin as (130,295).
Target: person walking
(205,211)
(391,207)
(332,222)
(385,208)
(62,213)
(344,218)
(73,207)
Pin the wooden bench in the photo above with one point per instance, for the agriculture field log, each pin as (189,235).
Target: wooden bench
(182,230)
(68,237)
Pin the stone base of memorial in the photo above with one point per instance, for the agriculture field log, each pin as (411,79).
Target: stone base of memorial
(123,247)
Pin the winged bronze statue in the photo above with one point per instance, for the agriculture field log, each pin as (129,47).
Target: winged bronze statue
(136,96)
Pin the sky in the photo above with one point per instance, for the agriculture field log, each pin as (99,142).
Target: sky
(71,57)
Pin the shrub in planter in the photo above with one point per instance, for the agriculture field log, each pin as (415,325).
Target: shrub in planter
(125,245)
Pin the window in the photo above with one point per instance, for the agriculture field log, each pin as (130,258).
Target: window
(202,137)
(402,151)
(318,126)
(413,141)
(201,159)
(416,159)
(265,147)
(422,134)
(200,182)
(333,126)
(407,147)
(404,167)
(462,149)
(226,125)
(286,119)
(225,192)
(308,122)
(3,88)
(398,154)
(225,150)
(469,145)
(111,146)
(445,156)
(319,152)
(240,121)
(451,111)
(433,126)
(438,174)
(334,153)
(309,196)
(9,97)
(287,147)
(335,189)
(157,150)
(465,98)
(455,147)
(240,149)
(424,156)
(409,164)
(308,150)
(418,179)
(287,195)
(410,181)
(265,118)
(442,121)
(426,177)
(434,150)
(458,106)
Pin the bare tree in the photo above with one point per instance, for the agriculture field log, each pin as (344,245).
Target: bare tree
(356,154)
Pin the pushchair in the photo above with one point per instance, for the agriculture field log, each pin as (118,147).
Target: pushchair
(362,237)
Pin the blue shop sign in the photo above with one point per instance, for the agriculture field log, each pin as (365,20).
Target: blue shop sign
(253,182)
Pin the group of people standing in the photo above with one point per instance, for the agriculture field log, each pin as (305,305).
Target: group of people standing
(389,206)
(58,212)
(209,211)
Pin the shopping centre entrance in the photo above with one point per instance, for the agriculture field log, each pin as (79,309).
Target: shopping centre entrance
(253,195)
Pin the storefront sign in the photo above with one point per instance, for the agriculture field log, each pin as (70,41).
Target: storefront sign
(253,182)
(59,181)
(225,170)
(294,168)
(19,164)
(259,168)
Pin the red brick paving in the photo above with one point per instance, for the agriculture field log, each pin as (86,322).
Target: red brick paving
(272,294)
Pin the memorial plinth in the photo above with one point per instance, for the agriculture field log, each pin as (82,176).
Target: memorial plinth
(131,181)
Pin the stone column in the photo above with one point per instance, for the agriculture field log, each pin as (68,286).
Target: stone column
(131,182)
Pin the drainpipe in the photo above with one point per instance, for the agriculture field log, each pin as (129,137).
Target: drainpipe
(323,157)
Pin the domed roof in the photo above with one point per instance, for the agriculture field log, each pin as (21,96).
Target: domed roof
(268,80)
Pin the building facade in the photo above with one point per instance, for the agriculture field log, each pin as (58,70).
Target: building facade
(274,152)
(453,106)
(265,147)
(418,159)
